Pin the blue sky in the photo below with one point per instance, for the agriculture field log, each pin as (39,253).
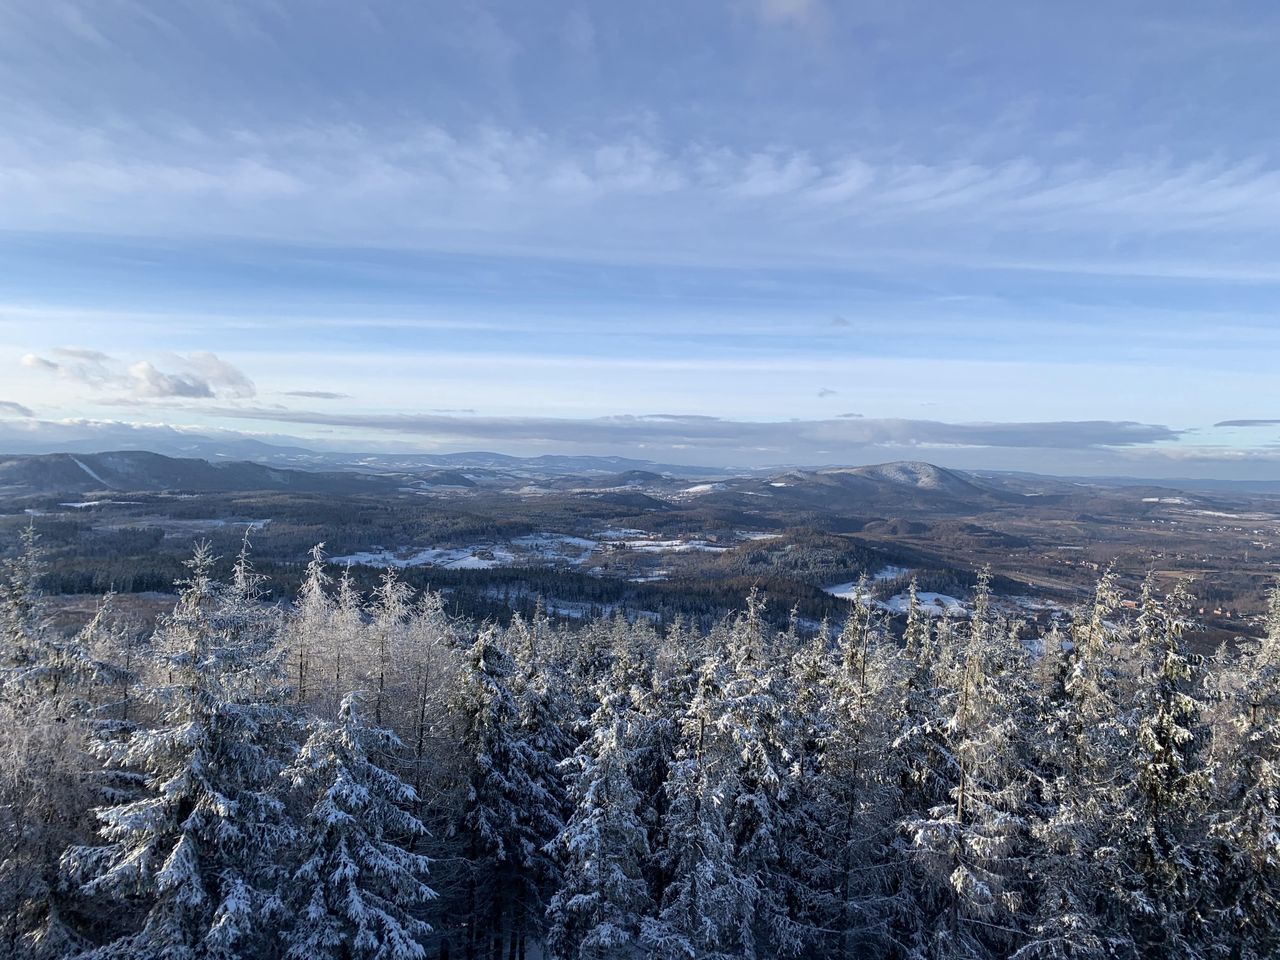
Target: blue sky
(846,231)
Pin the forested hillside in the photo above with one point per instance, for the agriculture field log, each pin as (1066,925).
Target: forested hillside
(355,775)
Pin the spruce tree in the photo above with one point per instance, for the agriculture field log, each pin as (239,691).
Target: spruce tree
(199,850)
(603,898)
(359,887)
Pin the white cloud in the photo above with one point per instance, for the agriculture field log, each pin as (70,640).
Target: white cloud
(633,194)
(199,375)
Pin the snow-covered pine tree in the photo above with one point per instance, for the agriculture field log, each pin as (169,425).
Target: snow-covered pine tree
(1248,827)
(359,889)
(705,903)
(860,793)
(503,799)
(752,739)
(813,830)
(543,714)
(1076,759)
(199,851)
(916,779)
(1162,872)
(602,900)
(307,627)
(971,845)
(50,686)
(391,607)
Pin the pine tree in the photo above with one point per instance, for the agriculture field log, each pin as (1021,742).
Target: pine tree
(971,845)
(859,794)
(198,850)
(308,625)
(1248,829)
(359,886)
(504,801)
(48,686)
(1161,871)
(705,901)
(603,899)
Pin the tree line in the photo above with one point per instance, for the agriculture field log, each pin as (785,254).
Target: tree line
(362,775)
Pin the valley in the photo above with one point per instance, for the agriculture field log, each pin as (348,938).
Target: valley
(501,535)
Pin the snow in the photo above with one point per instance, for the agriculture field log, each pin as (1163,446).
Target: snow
(621,533)
(703,488)
(89,470)
(674,546)
(462,558)
(85,504)
(557,546)
(845,591)
(931,604)
(890,573)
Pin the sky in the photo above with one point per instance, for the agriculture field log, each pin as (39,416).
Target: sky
(1001,235)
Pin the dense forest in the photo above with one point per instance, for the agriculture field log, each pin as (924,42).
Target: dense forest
(361,774)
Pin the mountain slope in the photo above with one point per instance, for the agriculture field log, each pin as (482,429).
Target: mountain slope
(65,473)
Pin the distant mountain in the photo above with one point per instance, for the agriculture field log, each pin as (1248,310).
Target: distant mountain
(916,475)
(136,470)
(887,489)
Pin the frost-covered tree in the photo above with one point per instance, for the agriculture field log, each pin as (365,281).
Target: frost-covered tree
(1077,758)
(1247,829)
(603,898)
(359,888)
(198,851)
(860,795)
(1161,872)
(51,686)
(753,743)
(971,845)
(706,902)
(505,804)
(309,624)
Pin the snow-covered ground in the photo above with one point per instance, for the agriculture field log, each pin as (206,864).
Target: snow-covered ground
(556,546)
(931,604)
(674,546)
(86,504)
(460,558)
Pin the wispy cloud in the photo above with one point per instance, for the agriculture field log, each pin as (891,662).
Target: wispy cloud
(501,187)
(317,394)
(9,407)
(796,439)
(199,375)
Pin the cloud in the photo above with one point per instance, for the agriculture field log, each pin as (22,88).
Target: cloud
(840,322)
(793,441)
(16,409)
(317,394)
(797,13)
(824,392)
(1135,450)
(199,375)
(1247,423)
(629,194)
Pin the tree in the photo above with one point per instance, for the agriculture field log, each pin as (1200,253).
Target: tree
(358,885)
(1248,829)
(602,899)
(198,850)
(705,902)
(505,802)
(971,846)
(1077,757)
(1161,872)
